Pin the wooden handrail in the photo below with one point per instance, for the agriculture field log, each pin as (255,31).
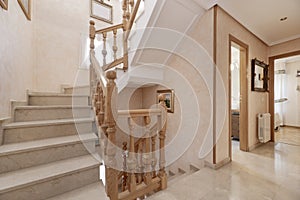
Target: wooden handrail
(139,112)
(109,29)
(132,18)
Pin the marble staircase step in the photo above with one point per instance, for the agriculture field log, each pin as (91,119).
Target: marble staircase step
(84,90)
(43,99)
(45,181)
(36,130)
(27,154)
(34,113)
(89,192)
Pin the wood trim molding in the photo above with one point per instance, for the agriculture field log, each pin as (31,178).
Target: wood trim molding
(244,143)
(215,20)
(271,86)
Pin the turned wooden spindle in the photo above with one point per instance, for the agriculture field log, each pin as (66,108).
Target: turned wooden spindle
(124,8)
(131,3)
(92,35)
(146,154)
(162,137)
(115,47)
(104,51)
(125,175)
(132,161)
(153,159)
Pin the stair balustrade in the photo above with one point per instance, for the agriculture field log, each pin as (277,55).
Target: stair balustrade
(142,170)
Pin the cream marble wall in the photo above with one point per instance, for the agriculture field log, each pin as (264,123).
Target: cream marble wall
(257,102)
(16,56)
(285,47)
(61,33)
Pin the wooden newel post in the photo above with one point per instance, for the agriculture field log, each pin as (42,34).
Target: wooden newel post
(162,138)
(110,160)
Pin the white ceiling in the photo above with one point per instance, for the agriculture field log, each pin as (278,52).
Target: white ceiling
(262,17)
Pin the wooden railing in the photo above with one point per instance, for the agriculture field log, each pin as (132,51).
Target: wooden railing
(140,169)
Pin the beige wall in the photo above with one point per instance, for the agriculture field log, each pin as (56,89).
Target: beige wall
(285,47)
(257,102)
(61,33)
(16,56)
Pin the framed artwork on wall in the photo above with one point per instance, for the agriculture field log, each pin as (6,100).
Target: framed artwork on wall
(259,76)
(4,4)
(26,7)
(169,99)
(101,11)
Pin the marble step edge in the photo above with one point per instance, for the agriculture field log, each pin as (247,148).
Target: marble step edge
(47,94)
(97,189)
(34,175)
(46,123)
(23,147)
(76,87)
(51,107)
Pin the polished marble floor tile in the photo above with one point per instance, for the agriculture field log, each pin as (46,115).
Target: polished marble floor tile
(288,135)
(270,172)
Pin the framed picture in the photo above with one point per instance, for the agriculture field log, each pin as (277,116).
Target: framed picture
(4,4)
(101,11)
(169,99)
(259,76)
(26,7)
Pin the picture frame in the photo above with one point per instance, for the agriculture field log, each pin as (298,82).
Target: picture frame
(102,11)
(259,76)
(26,8)
(4,4)
(169,95)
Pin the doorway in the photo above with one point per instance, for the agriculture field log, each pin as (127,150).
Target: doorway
(238,95)
(285,89)
(272,87)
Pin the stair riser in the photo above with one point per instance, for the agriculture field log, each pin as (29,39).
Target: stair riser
(81,91)
(57,100)
(42,132)
(23,115)
(43,156)
(54,186)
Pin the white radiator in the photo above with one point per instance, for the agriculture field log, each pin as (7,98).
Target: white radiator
(264,127)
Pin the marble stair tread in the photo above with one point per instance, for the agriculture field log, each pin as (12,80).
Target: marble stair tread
(92,191)
(51,107)
(46,122)
(47,94)
(21,178)
(79,86)
(14,148)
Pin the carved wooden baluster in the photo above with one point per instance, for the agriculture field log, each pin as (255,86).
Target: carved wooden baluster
(97,100)
(128,11)
(92,35)
(132,161)
(131,2)
(162,137)
(104,51)
(115,47)
(146,154)
(140,161)
(111,172)
(154,160)
(125,175)
(124,8)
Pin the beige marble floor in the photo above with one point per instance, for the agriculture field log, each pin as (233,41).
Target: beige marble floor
(271,172)
(288,135)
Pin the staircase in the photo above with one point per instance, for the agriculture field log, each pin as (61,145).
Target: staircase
(47,147)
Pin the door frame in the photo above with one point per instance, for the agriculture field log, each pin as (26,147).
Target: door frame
(244,146)
(271,86)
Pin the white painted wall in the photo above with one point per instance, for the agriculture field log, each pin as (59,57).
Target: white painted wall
(16,56)
(291,109)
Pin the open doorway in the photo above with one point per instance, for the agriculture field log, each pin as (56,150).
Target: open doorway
(287,100)
(238,95)
(272,72)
